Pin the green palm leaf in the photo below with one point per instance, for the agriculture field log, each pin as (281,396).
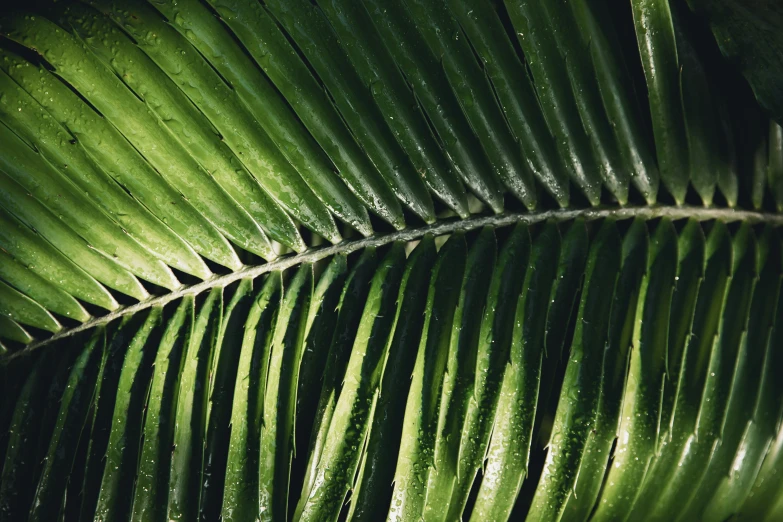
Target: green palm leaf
(430,260)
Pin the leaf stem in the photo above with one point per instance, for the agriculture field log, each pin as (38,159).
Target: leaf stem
(436,229)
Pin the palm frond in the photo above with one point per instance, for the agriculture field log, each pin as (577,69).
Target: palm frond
(551,289)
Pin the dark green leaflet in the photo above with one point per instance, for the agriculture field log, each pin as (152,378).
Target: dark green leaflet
(279,404)
(657,43)
(727,176)
(353,295)
(52,232)
(516,94)
(190,426)
(311,32)
(767,159)
(97,435)
(639,430)
(74,406)
(250,144)
(474,92)
(702,127)
(48,295)
(17,481)
(580,394)
(122,451)
(223,369)
(256,29)
(719,366)
(45,182)
(509,448)
(422,410)
(355,407)
(194,21)
(375,66)
(431,88)
(151,238)
(757,144)
(74,484)
(460,374)
(373,487)
(562,306)
(318,336)
(618,346)
(559,19)
(241,492)
(746,374)
(555,95)
(692,366)
(497,325)
(120,160)
(50,415)
(775,165)
(74,63)
(594,23)
(151,491)
(690,271)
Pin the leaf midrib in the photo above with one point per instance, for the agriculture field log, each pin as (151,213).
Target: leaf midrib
(436,229)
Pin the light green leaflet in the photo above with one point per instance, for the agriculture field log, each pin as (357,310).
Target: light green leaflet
(150,237)
(474,92)
(251,146)
(194,21)
(375,66)
(430,85)
(554,94)
(74,62)
(260,34)
(658,49)
(121,161)
(313,35)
